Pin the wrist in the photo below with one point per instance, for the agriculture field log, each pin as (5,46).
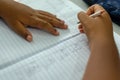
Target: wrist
(101,39)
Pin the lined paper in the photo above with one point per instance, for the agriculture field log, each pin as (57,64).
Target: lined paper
(117,40)
(14,49)
(65,61)
(48,57)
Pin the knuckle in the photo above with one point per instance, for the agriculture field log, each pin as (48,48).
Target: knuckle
(36,22)
(45,23)
(51,19)
(80,13)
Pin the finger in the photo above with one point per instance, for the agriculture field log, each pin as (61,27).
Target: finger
(46,13)
(49,15)
(84,19)
(94,8)
(42,24)
(55,22)
(81,31)
(21,30)
(80,27)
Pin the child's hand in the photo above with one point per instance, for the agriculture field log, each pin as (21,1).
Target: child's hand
(103,63)
(19,16)
(97,27)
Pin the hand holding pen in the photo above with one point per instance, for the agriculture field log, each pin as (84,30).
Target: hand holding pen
(104,56)
(96,14)
(96,21)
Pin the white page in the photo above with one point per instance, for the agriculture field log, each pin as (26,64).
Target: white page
(117,40)
(13,48)
(65,61)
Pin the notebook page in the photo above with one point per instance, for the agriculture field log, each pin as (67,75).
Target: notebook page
(117,40)
(65,61)
(13,48)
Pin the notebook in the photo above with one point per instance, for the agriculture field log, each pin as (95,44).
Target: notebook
(17,49)
(58,58)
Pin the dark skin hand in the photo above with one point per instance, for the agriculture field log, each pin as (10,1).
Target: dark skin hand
(19,16)
(103,63)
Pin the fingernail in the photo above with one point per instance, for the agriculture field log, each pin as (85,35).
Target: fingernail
(29,38)
(56,32)
(62,21)
(81,31)
(65,26)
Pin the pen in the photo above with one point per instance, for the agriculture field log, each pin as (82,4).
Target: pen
(98,13)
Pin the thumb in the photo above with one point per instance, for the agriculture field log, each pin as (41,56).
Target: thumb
(84,18)
(21,30)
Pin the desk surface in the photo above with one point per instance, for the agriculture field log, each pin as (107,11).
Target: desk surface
(84,6)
